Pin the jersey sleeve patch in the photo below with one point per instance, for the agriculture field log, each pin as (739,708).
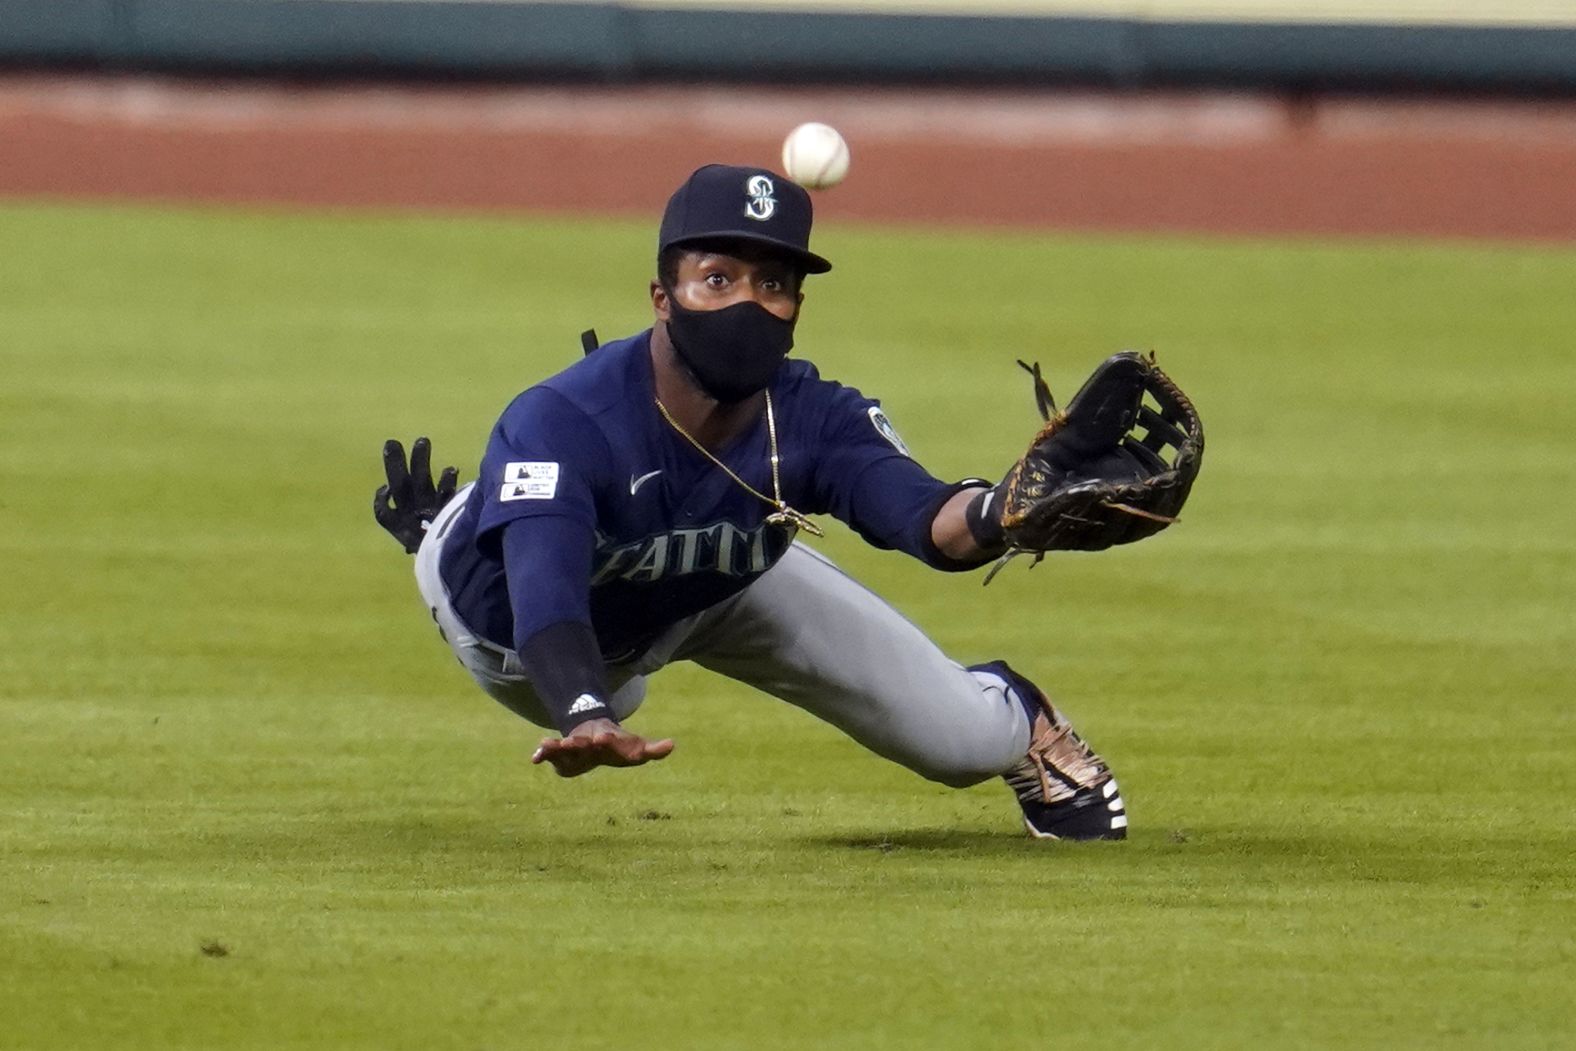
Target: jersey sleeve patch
(884,428)
(529,480)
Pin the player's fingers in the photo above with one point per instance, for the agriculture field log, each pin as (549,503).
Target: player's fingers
(569,757)
(380,502)
(394,469)
(421,455)
(629,750)
(421,472)
(552,746)
(447,484)
(619,749)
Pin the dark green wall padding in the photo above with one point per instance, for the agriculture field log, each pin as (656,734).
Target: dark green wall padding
(610,41)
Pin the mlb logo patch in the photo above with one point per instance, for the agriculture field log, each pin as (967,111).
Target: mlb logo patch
(529,480)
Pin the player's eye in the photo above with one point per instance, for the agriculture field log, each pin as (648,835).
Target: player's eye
(716,280)
(775,283)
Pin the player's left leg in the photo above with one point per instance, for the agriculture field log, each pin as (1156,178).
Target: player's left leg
(811,635)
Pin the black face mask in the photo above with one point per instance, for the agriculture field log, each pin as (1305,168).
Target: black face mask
(732,352)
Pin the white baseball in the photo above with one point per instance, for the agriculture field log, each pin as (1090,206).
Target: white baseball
(815,156)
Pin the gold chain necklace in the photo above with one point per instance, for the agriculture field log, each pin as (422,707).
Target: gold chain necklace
(783,514)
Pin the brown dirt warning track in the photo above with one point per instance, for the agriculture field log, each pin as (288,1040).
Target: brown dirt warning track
(1233,163)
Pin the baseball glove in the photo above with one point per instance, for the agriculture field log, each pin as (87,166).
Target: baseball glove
(1114,467)
(410,501)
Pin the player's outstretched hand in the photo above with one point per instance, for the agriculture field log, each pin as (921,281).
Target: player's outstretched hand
(600,742)
(410,500)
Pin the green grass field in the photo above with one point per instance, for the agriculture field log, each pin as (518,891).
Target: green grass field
(247,800)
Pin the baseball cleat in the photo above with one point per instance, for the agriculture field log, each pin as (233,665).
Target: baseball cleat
(1091,813)
(1065,789)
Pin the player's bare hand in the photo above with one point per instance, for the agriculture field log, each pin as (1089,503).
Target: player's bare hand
(600,742)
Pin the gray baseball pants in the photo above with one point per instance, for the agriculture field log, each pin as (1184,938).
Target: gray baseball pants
(804,632)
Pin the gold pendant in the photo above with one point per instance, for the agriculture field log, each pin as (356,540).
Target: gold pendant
(787,516)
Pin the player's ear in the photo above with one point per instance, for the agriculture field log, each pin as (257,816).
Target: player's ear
(659,301)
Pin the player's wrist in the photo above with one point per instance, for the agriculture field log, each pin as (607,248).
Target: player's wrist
(982,515)
(592,726)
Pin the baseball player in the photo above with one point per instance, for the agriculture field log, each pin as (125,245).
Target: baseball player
(641,507)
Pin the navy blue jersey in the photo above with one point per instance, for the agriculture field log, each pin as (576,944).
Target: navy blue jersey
(588,459)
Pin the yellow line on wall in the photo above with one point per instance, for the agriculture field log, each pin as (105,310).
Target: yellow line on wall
(1530,13)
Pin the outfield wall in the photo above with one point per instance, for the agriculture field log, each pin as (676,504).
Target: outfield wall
(1511,45)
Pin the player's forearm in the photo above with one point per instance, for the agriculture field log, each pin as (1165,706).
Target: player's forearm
(956,536)
(565,667)
(547,562)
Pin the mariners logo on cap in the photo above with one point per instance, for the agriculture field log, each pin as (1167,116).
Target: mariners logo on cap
(761,204)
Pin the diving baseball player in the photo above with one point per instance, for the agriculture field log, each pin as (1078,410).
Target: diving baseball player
(641,507)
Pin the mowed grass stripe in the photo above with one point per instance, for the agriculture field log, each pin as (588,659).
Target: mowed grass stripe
(1337,696)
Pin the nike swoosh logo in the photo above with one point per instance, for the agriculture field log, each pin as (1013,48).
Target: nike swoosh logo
(636,483)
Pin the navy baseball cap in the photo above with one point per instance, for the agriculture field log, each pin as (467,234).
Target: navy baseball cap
(742,204)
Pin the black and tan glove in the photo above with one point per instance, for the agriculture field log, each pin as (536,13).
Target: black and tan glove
(1114,467)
